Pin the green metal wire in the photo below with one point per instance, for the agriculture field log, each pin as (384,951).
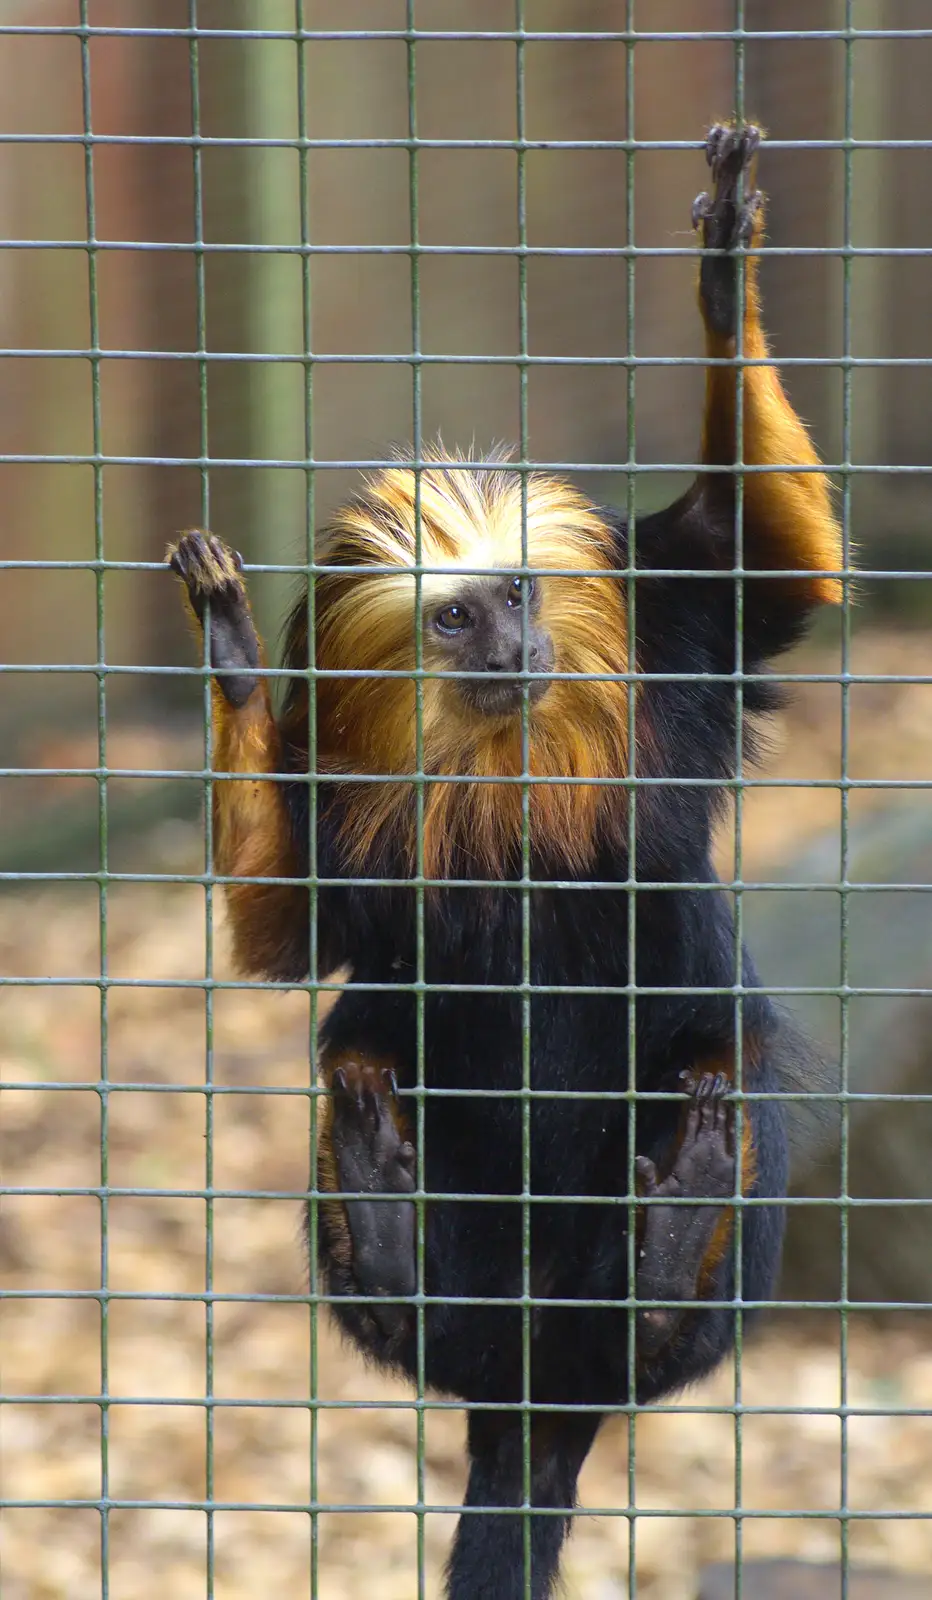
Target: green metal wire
(102,818)
(487,35)
(844,801)
(526,1070)
(420,947)
(210,886)
(631,596)
(209,366)
(304,179)
(738,1231)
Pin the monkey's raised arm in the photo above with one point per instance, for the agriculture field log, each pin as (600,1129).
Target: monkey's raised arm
(787,518)
(253,833)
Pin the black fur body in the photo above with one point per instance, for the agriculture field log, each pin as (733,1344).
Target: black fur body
(579,938)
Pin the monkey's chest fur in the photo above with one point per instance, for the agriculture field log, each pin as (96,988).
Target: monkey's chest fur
(568,1039)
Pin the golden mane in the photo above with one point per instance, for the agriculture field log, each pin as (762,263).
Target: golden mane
(470,520)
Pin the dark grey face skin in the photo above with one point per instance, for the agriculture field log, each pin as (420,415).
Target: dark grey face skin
(482,632)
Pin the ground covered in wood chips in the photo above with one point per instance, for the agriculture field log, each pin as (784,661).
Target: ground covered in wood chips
(254,1452)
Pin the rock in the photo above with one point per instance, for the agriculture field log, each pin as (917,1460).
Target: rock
(802,1580)
(795,937)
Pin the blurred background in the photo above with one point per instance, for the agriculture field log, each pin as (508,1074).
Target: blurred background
(296,354)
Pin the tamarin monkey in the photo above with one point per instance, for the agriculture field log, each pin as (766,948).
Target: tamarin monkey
(553,630)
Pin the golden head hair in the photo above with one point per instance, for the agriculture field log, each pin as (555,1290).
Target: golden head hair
(471,522)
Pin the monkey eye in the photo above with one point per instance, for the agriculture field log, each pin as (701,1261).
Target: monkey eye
(518,589)
(452,619)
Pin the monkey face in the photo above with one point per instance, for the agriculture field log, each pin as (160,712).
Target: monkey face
(480,630)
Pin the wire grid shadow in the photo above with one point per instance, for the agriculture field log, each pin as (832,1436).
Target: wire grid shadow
(248,246)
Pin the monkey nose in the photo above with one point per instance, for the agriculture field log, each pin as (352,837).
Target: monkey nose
(513,660)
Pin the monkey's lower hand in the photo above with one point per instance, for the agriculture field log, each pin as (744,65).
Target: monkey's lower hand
(724,223)
(374,1158)
(677,1238)
(212,574)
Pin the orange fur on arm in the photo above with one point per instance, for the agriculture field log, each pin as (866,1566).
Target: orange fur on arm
(253,833)
(789,520)
(253,838)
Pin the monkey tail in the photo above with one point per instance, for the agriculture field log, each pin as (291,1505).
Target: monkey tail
(491,1551)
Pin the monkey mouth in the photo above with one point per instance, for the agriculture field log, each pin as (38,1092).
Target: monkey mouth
(502,695)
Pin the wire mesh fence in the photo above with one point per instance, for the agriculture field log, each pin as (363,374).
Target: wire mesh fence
(247,246)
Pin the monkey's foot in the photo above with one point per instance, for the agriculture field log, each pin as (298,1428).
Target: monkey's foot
(374,1158)
(724,222)
(676,1238)
(212,572)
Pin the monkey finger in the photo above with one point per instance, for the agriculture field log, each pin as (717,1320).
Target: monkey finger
(751,141)
(714,141)
(707,1096)
(702,205)
(190,558)
(647,1172)
(729,151)
(744,224)
(182,555)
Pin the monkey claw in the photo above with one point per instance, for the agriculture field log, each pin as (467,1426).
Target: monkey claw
(678,1238)
(374,1158)
(212,574)
(726,222)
